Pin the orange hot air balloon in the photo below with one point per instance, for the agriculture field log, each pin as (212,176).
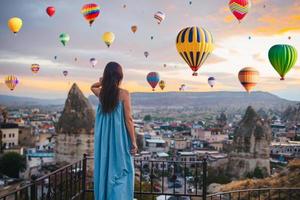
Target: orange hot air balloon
(249,77)
(134,28)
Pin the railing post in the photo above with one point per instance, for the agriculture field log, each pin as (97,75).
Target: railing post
(33,191)
(204,173)
(84,168)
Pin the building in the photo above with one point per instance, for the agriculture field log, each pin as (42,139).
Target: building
(155,145)
(187,156)
(181,143)
(288,150)
(200,134)
(9,135)
(26,137)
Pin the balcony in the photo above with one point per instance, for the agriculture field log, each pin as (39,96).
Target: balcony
(154,179)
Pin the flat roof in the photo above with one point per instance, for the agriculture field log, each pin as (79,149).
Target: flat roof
(8,125)
(156,141)
(187,153)
(162,154)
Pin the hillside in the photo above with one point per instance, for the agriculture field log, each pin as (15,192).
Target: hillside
(289,178)
(206,100)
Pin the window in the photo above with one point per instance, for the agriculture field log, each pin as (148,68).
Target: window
(4,135)
(9,135)
(13,135)
(13,144)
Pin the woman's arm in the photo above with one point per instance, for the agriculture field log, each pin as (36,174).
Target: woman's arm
(129,121)
(95,88)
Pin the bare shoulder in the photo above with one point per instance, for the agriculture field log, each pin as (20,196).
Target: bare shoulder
(124,94)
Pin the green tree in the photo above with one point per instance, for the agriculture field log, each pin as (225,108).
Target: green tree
(12,163)
(147,118)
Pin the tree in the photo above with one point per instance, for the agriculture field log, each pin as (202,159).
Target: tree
(12,163)
(147,118)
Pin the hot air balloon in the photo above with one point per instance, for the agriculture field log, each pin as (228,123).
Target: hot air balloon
(211,81)
(190,2)
(124,6)
(165,65)
(182,87)
(35,68)
(93,62)
(194,45)
(55,57)
(159,16)
(65,73)
(283,57)
(162,84)
(50,11)
(90,12)
(108,38)
(153,79)
(64,38)
(11,82)
(151,37)
(146,54)
(15,24)
(75,59)
(289,37)
(134,28)
(249,77)
(239,8)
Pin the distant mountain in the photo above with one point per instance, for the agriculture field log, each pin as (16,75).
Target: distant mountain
(16,101)
(178,100)
(206,100)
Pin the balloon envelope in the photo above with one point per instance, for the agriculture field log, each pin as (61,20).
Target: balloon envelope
(65,72)
(146,54)
(211,81)
(90,12)
(35,68)
(134,28)
(159,16)
(194,45)
(249,77)
(153,79)
(239,8)
(50,11)
(11,82)
(108,38)
(283,57)
(15,24)
(64,38)
(162,84)
(93,62)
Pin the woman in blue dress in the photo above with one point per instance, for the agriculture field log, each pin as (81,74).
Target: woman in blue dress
(115,141)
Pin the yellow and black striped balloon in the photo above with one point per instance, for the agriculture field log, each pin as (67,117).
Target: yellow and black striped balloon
(249,77)
(194,45)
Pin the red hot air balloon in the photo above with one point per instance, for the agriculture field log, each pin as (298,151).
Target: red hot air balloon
(50,11)
(153,79)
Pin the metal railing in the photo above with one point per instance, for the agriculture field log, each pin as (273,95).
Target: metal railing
(65,183)
(153,178)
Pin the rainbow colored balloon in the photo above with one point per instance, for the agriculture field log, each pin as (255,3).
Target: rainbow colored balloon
(90,12)
(153,79)
(239,8)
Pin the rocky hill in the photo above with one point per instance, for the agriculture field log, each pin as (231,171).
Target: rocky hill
(78,115)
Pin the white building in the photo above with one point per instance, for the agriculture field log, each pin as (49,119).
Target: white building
(155,145)
(10,135)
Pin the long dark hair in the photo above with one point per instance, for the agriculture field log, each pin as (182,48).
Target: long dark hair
(109,94)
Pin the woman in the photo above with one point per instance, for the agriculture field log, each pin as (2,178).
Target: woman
(114,138)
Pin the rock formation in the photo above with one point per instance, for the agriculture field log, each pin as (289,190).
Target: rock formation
(250,147)
(75,128)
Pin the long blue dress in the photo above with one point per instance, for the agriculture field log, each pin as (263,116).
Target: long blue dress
(113,165)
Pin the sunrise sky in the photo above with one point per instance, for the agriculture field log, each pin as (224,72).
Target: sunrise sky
(269,22)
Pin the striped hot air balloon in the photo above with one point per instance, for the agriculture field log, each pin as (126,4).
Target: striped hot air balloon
(11,82)
(134,28)
(90,12)
(194,45)
(35,68)
(153,79)
(65,73)
(162,84)
(239,8)
(159,16)
(249,77)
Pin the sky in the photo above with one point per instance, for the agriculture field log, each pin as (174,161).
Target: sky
(268,22)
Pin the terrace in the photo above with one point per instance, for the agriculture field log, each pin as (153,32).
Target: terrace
(155,180)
